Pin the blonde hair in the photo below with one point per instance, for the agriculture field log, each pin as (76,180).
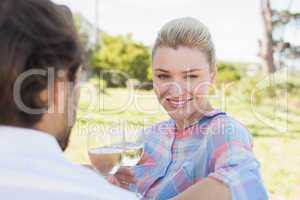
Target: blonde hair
(186,32)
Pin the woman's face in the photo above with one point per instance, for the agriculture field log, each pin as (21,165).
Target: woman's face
(181,79)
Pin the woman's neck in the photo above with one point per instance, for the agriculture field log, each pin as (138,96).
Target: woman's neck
(182,124)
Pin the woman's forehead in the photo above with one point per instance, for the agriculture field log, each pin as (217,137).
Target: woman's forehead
(179,68)
(182,58)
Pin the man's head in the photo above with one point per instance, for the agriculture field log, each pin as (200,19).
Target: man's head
(40,59)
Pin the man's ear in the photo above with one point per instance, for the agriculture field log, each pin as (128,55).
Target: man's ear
(52,96)
(43,97)
(59,95)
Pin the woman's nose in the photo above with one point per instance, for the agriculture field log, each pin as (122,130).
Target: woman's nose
(177,88)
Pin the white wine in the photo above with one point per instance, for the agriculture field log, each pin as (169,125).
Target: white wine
(132,154)
(106,160)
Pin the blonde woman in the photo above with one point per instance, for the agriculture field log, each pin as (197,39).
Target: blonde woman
(201,152)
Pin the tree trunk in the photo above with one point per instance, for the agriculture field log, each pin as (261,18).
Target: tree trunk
(266,51)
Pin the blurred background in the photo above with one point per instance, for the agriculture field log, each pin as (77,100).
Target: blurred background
(258,50)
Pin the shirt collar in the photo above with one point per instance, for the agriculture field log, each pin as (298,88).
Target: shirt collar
(24,140)
(210,114)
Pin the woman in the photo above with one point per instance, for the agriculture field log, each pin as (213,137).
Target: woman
(201,152)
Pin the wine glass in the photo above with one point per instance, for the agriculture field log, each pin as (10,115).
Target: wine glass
(133,148)
(105,151)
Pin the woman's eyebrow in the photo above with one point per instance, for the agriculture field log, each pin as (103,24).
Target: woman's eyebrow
(191,70)
(161,70)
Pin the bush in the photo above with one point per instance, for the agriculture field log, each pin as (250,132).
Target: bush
(290,86)
(121,54)
(114,79)
(228,76)
(133,83)
(228,72)
(259,89)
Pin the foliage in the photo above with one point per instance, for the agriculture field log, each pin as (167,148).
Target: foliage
(228,72)
(121,58)
(284,17)
(281,20)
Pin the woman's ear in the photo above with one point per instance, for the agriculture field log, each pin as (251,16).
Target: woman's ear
(213,74)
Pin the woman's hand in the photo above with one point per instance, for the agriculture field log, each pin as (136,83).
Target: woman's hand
(123,178)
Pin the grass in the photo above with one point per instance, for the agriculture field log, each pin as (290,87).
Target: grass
(277,149)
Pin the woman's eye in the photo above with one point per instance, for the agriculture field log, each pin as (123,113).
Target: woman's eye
(163,76)
(192,76)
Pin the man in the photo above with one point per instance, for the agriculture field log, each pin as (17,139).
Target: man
(40,59)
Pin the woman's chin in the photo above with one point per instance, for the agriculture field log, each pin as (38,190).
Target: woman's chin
(179,115)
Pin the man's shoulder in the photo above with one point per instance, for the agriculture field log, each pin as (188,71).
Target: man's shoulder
(57,177)
(91,182)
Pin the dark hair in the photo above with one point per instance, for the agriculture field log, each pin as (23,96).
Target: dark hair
(34,34)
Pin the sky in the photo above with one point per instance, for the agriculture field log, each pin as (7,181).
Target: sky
(235,25)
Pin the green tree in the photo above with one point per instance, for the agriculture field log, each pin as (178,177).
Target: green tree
(228,72)
(272,44)
(123,54)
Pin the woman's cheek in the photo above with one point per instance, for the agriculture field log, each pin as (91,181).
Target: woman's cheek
(160,90)
(200,89)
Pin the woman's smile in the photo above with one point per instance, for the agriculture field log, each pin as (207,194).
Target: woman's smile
(177,103)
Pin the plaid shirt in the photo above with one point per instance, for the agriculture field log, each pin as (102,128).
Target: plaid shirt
(217,146)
